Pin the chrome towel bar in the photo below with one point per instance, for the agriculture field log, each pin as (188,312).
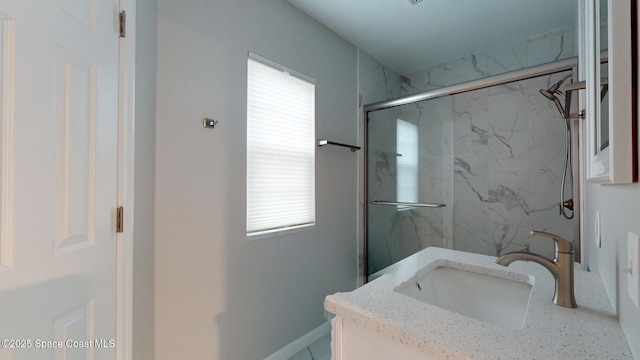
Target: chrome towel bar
(328,142)
(426,205)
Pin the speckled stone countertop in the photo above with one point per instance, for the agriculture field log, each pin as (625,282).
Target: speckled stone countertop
(551,332)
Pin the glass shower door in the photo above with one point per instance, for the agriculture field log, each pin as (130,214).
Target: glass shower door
(409,180)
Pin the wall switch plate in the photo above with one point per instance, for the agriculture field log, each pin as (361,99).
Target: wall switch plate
(598,232)
(634,265)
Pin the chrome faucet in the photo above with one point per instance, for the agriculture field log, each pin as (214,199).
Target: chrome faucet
(561,266)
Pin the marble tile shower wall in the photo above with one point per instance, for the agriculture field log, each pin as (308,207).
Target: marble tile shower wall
(377,82)
(493,156)
(508,157)
(551,46)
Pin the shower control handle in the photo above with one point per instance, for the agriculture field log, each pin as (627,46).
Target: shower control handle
(567,203)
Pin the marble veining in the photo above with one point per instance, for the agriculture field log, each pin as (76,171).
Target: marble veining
(508,150)
(493,156)
(506,153)
(540,49)
(509,198)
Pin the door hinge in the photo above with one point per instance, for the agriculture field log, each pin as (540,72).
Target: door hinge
(123,23)
(120,220)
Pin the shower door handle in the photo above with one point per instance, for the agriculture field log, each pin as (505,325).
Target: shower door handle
(425,205)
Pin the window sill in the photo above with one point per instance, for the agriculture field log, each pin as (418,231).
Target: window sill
(257,235)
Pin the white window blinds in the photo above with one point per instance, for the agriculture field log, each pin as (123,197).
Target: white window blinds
(280,148)
(407,162)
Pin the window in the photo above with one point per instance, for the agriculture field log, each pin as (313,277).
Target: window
(407,163)
(280,148)
(610,133)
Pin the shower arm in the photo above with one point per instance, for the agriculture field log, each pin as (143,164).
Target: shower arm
(580,85)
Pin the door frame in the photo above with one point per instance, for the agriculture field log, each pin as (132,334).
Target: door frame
(126,181)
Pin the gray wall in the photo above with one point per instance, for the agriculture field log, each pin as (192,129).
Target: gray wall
(220,295)
(199,254)
(619,206)
(143,250)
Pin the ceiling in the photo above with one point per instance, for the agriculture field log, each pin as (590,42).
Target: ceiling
(409,37)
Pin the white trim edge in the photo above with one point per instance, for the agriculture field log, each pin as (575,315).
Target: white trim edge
(301,343)
(126,156)
(7,122)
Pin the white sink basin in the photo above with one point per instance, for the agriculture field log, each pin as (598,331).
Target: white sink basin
(497,297)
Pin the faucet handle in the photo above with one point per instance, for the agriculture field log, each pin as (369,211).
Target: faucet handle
(560,245)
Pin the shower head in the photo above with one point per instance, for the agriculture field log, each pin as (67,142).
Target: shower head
(548,93)
(555,100)
(551,92)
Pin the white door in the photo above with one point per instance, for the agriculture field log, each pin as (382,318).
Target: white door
(59,75)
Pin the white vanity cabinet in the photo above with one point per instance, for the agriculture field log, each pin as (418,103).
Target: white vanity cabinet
(350,341)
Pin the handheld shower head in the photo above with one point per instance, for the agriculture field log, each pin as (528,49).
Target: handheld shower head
(550,94)
(555,100)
